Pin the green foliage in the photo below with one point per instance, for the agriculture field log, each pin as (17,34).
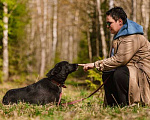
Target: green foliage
(82,55)
(95,77)
(18,19)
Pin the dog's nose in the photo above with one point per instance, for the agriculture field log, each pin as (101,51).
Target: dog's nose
(5,101)
(76,66)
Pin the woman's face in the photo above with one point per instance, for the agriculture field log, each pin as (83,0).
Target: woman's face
(112,25)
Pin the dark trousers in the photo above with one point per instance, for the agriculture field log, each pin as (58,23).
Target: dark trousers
(117,86)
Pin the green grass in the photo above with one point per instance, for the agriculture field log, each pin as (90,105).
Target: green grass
(90,109)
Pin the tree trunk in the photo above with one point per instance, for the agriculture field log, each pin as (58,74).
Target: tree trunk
(145,16)
(89,44)
(88,27)
(71,39)
(42,30)
(54,31)
(49,35)
(97,36)
(70,44)
(66,41)
(134,10)
(111,5)
(76,34)
(5,43)
(104,46)
(30,31)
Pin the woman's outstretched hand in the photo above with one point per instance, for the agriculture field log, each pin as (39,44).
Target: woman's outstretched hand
(87,66)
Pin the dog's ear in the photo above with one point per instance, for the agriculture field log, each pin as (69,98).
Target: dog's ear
(53,71)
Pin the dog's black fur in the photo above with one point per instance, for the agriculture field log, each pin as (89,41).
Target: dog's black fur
(44,91)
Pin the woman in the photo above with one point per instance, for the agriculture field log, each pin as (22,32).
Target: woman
(128,67)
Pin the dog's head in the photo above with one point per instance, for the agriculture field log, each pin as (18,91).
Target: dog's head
(9,97)
(61,70)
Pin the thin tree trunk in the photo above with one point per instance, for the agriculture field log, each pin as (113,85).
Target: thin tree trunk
(70,44)
(145,16)
(97,37)
(111,5)
(49,35)
(104,46)
(54,31)
(134,10)
(66,41)
(89,45)
(42,30)
(30,31)
(88,27)
(76,34)
(5,43)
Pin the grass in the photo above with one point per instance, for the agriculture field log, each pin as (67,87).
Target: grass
(90,109)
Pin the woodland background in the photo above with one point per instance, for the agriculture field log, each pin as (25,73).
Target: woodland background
(36,34)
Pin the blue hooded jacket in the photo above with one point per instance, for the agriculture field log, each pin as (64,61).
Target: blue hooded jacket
(128,28)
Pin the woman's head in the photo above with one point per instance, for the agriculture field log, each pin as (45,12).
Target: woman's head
(116,13)
(115,19)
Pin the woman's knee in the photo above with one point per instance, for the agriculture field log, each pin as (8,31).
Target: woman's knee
(121,73)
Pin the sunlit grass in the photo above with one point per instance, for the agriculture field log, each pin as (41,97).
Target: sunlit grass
(89,109)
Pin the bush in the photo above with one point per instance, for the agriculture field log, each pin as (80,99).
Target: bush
(95,79)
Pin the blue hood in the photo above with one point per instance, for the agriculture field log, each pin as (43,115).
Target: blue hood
(129,28)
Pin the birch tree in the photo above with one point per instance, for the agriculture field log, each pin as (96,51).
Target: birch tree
(42,29)
(89,44)
(54,30)
(145,16)
(97,36)
(111,5)
(134,10)
(49,34)
(12,5)
(88,27)
(71,44)
(30,31)
(76,33)
(5,43)
(104,45)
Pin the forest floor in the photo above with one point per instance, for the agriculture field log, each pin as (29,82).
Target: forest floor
(89,109)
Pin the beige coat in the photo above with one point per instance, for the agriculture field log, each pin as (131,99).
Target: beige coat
(133,51)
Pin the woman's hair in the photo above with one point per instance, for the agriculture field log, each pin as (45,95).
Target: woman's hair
(116,13)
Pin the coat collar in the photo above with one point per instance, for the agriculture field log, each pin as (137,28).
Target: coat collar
(58,84)
(129,28)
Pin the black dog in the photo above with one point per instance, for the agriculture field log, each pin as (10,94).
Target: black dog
(46,90)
